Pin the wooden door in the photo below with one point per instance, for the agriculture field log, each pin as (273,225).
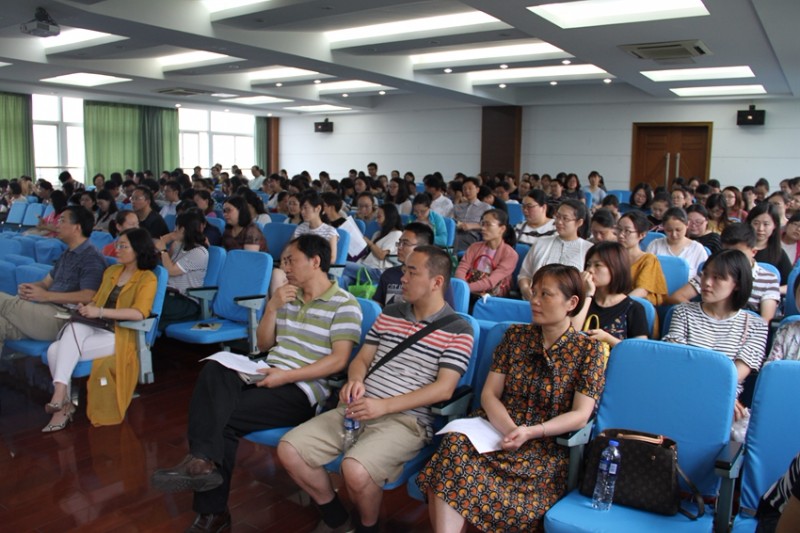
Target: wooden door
(664,151)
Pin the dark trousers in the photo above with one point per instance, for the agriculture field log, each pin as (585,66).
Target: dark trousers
(223,409)
(177,308)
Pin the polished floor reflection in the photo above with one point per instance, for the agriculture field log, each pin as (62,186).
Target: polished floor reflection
(97,479)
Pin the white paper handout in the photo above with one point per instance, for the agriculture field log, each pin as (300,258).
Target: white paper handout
(357,242)
(480,432)
(237,362)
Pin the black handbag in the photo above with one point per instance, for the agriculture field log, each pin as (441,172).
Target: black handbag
(100,323)
(648,472)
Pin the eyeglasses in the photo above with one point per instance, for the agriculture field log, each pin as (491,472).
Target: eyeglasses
(405,244)
(121,246)
(227,210)
(564,218)
(625,231)
(530,206)
(488,223)
(136,198)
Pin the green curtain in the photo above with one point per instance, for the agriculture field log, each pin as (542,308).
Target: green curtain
(159,138)
(261,140)
(16,139)
(112,135)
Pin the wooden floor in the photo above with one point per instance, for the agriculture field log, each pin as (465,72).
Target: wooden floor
(97,479)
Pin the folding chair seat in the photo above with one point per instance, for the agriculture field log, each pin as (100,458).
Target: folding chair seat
(680,391)
(238,302)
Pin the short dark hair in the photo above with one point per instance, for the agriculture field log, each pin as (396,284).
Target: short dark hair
(312,246)
(333,200)
(422,198)
(738,232)
(605,218)
(615,257)
(142,244)
(609,200)
(83,217)
(422,231)
(677,213)
(148,192)
(734,264)
(438,263)
(568,279)
(475,181)
(639,220)
(174,185)
(192,221)
(245,218)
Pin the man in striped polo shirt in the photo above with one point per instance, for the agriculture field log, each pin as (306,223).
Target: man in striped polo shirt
(392,404)
(309,327)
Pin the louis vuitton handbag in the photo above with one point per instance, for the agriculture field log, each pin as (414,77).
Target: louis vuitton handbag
(648,472)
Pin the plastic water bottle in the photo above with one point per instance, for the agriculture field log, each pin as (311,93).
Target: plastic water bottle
(351,430)
(606,477)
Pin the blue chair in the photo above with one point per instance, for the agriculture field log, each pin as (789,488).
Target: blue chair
(676,271)
(496,309)
(278,217)
(218,222)
(16,215)
(342,246)
(515,215)
(170,221)
(701,387)
(369,313)
(100,239)
(450,225)
(650,314)
(789,303)
(216,261)
(522,252)
(460,294)
(28,244)
(361,226)
(32,199)
(405,219)
(48,251)
(650,237)
(238,302)
(48,210)
(9,246)
(773,437)
(588,198)
(32,214)
(278,236)
(420,187)
(622,195)
(372,227)
(772,268)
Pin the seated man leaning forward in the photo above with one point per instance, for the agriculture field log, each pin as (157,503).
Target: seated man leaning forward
(309,326)
(391,403)
(74,279)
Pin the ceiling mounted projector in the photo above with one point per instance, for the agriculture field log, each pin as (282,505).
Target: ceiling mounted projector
(41,25)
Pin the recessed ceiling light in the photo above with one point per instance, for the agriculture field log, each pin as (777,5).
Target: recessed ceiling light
(503,66)
(448,70)
(178,105)
(280,73)
(566,62)
(607,81)
(411,26)
(4,64)
(587,13)
(317,108)
(532,50)
(317,82)
(345,95)
(85,79)
(192,58)
(502,85)
(721,90)
(574,72)
(381,93)
(224,95)
(255,100)
(348,85)
(72,36)
(279,84)
(553,83)
(215,6)
(269,114)
(688,74)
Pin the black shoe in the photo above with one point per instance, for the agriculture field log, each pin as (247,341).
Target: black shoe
(192,473)
(212,523)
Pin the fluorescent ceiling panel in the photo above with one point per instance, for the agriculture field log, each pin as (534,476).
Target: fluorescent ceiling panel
(4,64)
(281,73)
(191,58)
(492,52)
(85,79)
(688,74)
(215,6)
(316,108)
(255,100)
(70,37)
(411,26)
(587,13)
(721,90)
(486,77)
(349,85)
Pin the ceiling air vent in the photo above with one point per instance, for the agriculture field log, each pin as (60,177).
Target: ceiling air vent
(179,91)
(668,51)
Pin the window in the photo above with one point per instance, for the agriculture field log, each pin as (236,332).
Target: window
(207,138)
(58,137)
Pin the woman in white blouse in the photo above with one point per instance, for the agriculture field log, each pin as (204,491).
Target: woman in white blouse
(677,244)
(380,247)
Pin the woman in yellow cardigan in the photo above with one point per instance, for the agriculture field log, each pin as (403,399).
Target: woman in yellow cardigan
(126,293)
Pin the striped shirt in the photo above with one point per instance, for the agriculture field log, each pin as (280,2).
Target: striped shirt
(449,347)
(193,264)
(306,333)
(765,287)
(788,485)
(325,231)
(742,337)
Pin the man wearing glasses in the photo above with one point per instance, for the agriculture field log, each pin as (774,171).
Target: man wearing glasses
(74,279)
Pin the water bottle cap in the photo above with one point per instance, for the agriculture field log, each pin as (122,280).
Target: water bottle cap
(613,443)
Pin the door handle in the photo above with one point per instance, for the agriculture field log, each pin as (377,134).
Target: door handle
(677,163)
(666,172)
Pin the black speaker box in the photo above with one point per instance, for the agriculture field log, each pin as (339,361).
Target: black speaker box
(751,117)
(323,127)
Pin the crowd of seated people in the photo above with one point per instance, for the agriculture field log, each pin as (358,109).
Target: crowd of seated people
(582,236)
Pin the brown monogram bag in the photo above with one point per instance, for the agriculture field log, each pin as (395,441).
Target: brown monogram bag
(648,472)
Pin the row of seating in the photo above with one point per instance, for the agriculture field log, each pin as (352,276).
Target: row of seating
(23,215)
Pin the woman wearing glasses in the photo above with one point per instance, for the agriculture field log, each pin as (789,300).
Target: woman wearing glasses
(536,223)
(646,274)
(241,232)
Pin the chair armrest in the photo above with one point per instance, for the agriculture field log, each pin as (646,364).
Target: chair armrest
(729,460)
(337,381)
(251,302)
(577,437)
(457,404)
(139,325)
(202,293)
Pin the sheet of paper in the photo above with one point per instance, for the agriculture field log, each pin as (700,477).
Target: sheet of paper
(357,243)
(480,432)
(237,362)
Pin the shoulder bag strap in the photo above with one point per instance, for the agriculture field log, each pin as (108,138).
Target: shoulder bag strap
(445,320)
(696,496)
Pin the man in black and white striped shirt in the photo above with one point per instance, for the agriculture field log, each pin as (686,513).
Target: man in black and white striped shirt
(781,503)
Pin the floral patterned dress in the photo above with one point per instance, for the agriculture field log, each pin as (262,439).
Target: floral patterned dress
(511,490)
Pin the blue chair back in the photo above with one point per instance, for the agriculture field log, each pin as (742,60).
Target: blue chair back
(496,309)
(369,313)
(170,221)
(100,239)
(372,227)
(642,373)
(489,342)
(676,271)
(589,199)
(31,273)
(773,435)
(162,277)
(460,294)
(216,260)
(9,246)
(47,251)
(278,236)
(28,244)
(16,214)
(650,314)
(18,259)
(515,215)
(789,303)
(32,199)
(420,187)
(32,215)
(772,268)
(622,195)
(218,222)
(361,226)
(405,219)
(650,237)
(450,225)
(342,246)
(522,252)
(48,210)
(280,218)
(247,273)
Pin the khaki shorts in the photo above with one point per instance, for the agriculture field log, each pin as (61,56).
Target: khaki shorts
(384,445)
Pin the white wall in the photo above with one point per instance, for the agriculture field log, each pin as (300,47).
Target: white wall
(580,138)
(573,138)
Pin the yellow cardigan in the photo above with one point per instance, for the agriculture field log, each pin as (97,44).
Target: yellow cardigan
(113,378)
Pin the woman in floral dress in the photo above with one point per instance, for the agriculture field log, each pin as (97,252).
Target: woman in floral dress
(544,381)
